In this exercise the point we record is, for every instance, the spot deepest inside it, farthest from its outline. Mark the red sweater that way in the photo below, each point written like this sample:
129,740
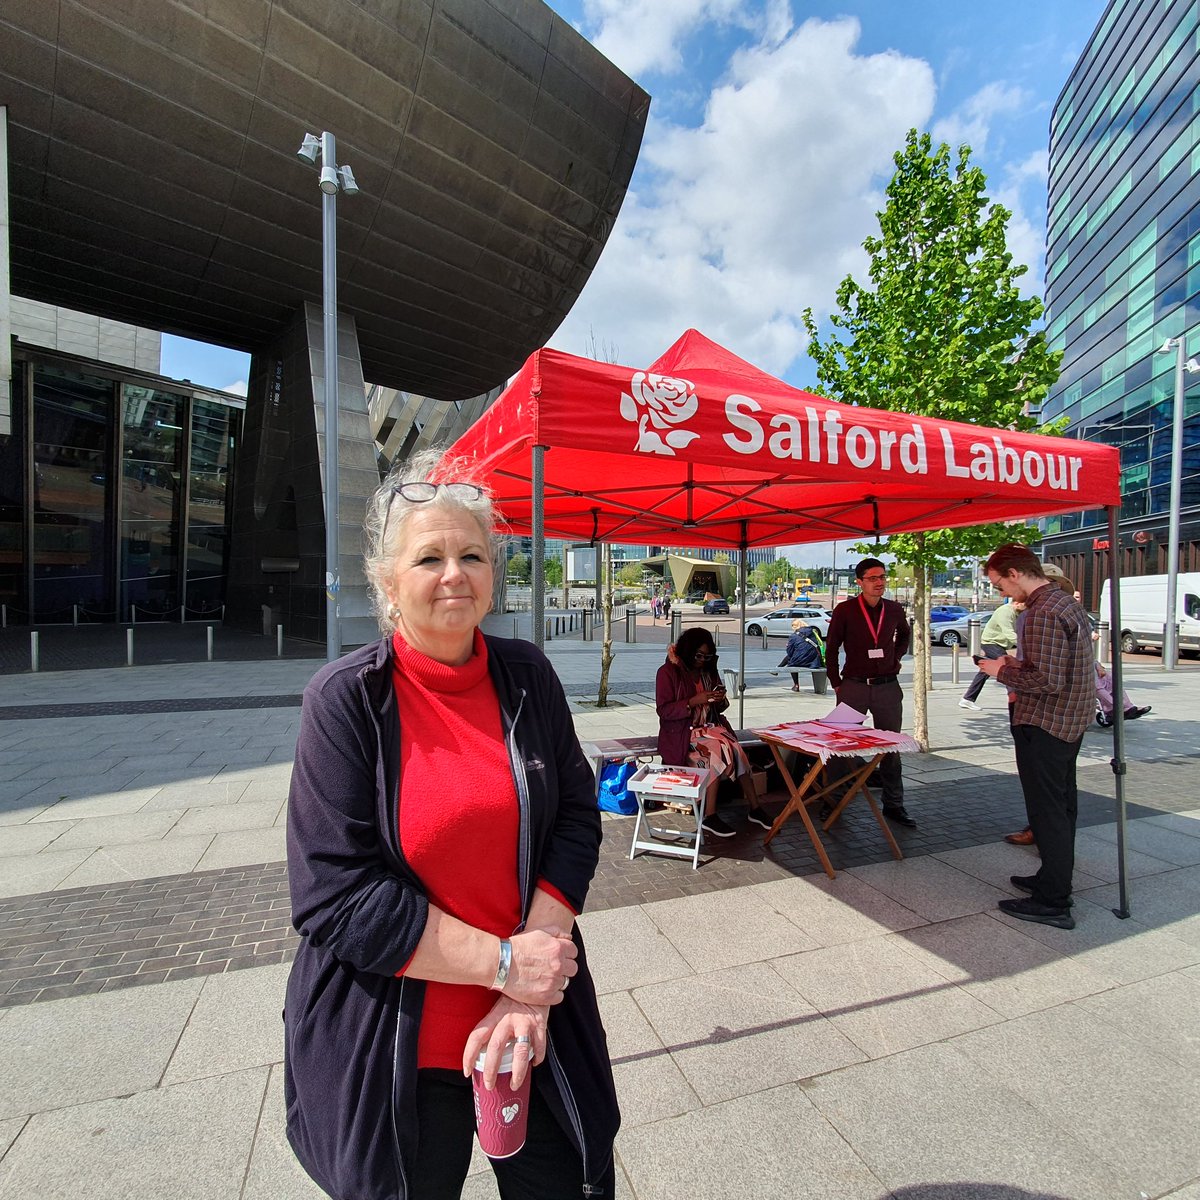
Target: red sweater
458,822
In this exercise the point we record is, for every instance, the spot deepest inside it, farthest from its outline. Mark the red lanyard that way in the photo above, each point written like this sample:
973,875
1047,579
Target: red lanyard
876,630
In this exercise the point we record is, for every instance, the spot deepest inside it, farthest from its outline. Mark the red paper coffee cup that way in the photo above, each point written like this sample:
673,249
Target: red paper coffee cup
501,1115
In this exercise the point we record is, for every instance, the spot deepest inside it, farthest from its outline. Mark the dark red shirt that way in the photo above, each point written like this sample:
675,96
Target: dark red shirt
851,633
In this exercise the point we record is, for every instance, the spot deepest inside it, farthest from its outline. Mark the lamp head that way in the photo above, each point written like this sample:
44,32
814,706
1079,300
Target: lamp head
1167,346
309,149
329,180
349,184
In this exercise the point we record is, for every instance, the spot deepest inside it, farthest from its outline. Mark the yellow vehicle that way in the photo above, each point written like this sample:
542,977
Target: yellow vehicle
803,586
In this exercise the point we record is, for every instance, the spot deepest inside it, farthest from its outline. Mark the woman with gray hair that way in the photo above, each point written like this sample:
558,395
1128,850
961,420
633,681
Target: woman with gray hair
442,834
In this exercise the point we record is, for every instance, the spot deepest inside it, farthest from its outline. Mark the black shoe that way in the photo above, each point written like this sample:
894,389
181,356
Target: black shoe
1028,909
1103,720
760,816
1132,714
1026,883
899,814
715,827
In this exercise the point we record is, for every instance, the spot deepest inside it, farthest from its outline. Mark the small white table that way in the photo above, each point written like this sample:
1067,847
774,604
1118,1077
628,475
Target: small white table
685,788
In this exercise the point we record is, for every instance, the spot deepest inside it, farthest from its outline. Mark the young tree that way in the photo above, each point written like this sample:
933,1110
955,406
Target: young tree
942,331
553,570
518,567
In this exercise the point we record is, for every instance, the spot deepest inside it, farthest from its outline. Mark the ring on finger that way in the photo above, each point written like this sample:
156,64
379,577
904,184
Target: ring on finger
522,1039
566,980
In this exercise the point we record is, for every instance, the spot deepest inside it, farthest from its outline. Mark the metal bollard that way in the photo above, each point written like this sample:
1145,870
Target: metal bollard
129,647
183,614
1102,643
210,643
278,641
35,657
954,663
514,629
975,626
3,616
74,614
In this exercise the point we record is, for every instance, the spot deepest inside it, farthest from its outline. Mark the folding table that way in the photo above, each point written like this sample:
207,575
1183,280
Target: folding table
682,787
822,742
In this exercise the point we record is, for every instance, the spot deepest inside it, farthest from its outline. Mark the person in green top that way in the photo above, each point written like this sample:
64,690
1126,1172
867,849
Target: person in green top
998,638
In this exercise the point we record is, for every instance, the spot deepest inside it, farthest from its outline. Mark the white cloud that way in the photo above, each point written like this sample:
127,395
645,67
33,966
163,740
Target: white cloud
642,36
237,388
973,121
734,226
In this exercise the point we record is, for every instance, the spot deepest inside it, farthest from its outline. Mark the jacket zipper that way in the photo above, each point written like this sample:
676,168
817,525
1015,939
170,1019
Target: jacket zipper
572,1109
395,1075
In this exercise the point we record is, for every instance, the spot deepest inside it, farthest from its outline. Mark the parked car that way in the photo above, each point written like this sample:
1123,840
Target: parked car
947,612
778,622
956,631
717,606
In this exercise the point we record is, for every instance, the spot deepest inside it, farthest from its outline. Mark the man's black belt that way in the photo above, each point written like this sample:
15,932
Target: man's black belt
872,679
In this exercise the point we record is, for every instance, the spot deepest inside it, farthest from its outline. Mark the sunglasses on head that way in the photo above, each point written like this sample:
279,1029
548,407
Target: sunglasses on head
421,492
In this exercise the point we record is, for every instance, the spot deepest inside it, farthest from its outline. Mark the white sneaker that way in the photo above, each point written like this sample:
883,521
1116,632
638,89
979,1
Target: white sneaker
965,703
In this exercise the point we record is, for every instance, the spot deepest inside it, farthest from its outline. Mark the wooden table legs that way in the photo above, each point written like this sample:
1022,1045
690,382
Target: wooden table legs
801,797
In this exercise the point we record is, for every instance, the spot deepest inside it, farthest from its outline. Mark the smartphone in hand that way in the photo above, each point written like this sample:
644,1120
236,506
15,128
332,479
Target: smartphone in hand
978,658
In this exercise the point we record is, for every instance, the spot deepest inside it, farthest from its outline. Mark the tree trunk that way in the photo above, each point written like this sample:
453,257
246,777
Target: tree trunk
922,656
606,654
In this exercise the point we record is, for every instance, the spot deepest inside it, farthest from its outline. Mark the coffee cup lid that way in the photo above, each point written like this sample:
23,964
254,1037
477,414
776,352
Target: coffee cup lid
506,1059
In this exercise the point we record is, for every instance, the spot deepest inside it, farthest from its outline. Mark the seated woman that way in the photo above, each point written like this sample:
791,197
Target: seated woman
803,650
692,730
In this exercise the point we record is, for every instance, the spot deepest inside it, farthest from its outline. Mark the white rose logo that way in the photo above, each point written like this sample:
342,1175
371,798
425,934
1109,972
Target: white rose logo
658,403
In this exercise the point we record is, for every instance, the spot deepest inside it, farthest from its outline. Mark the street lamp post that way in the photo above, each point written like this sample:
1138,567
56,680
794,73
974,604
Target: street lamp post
1171,628
332,180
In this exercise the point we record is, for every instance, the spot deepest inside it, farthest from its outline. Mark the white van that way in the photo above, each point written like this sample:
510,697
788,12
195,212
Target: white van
1144,610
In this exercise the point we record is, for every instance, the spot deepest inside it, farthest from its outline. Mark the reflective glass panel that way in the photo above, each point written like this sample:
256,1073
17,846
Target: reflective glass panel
214,438
72,494
151,500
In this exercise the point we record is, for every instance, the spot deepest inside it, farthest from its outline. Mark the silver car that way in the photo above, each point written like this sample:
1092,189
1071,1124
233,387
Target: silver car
958,631
778,622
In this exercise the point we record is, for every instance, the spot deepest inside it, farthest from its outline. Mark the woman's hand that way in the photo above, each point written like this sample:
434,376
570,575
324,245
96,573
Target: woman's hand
543,961
508,1020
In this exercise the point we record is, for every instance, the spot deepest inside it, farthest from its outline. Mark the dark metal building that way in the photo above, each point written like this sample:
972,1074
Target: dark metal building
1123,276
153,179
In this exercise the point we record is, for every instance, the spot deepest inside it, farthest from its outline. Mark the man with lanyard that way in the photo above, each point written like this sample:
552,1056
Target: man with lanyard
874,635
1054,686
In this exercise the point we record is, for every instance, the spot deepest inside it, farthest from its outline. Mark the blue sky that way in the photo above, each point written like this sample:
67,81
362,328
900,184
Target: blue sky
770,141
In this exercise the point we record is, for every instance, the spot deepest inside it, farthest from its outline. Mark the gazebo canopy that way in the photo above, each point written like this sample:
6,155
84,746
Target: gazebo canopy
705,449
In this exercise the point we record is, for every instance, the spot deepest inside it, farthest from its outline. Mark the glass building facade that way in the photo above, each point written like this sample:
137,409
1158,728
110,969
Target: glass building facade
1123,275
113,495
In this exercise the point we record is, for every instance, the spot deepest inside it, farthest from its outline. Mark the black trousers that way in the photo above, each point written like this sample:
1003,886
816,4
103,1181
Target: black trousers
990,650
1046,766
885,703
547,1167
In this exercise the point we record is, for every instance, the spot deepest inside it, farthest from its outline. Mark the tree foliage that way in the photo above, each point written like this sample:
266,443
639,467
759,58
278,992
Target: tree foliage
941,331
518,567
552,568
766,574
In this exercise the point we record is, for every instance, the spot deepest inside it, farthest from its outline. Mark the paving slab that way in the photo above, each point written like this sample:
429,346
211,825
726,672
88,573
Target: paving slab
722,929
932,889
227,818
85,1048
243,848
171,855
1170,844
929,1121
882,998
999,965
98,802
190,1142
1162,1013
31,838
41,872
8,1133
1078,1070
274,1173
832,911
1096,857
742,1029
119,830
1168,901
772,1145
196,795
626,949
994,862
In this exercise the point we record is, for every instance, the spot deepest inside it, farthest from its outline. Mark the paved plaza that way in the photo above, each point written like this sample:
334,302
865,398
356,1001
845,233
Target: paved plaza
775,1033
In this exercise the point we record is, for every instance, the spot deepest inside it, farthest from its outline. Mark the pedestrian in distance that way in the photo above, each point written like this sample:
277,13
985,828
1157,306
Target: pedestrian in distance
442,833
804,650
874,635
998,638
1054,698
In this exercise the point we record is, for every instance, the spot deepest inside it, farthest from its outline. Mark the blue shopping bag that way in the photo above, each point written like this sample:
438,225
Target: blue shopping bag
615,795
